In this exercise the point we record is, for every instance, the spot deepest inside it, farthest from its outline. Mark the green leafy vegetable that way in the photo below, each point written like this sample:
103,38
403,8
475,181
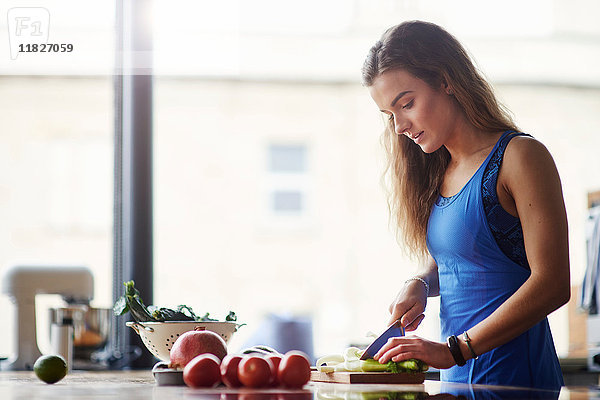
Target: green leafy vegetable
231,317
168,314
131,301
186,310
206,317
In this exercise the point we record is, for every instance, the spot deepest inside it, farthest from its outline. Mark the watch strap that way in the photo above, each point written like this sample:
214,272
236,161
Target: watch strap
454,347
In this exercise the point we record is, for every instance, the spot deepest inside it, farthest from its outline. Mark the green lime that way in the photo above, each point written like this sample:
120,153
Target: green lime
50,368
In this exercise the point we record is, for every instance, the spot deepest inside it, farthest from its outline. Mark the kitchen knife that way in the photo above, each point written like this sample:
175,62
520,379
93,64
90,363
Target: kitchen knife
395,330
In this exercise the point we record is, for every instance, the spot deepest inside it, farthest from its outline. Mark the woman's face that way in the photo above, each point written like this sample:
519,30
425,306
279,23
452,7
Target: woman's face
426,115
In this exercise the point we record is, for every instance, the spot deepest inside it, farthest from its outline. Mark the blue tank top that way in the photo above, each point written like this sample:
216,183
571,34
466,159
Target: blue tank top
505,227
475,278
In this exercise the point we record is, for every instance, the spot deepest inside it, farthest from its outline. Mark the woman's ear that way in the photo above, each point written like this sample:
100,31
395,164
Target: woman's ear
447,88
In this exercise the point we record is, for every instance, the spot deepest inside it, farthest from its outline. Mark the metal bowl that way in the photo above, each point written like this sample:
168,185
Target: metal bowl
158,337
91,328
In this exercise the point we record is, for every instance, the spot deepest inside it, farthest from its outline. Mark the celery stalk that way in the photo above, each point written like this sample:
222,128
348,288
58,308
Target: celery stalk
412,365
371,365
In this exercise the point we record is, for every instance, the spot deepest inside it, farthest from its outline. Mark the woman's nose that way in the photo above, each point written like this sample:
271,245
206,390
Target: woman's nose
400,126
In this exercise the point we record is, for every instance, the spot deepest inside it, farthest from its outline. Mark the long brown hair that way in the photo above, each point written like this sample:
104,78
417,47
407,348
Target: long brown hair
430,53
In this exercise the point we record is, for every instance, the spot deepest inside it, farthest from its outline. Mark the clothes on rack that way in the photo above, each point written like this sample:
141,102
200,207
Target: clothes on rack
589,299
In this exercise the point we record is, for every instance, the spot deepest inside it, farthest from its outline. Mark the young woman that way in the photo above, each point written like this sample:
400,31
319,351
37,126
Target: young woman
481,203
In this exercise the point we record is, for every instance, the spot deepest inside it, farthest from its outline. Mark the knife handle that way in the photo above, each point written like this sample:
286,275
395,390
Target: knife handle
398,324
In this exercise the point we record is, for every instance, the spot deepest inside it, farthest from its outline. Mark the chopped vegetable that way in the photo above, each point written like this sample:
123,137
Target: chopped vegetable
350,362
352,359
131,301
326,368
352,353
371,365
413,365
332,358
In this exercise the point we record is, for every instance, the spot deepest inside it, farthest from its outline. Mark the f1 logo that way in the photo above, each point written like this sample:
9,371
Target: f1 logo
27,25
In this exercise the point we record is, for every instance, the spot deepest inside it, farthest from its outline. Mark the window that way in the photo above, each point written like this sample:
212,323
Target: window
268,162
56,156
287,158
288,180
287,201
266,159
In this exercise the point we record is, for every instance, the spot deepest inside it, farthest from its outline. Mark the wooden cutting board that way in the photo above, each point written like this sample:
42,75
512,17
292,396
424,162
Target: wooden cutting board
367,377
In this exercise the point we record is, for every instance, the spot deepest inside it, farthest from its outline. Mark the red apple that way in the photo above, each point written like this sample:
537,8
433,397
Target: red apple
202,371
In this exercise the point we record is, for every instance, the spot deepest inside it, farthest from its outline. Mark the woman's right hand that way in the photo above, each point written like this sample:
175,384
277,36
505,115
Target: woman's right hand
409,305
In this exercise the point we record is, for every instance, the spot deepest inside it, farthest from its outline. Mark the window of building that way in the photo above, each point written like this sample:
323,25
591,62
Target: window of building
288,180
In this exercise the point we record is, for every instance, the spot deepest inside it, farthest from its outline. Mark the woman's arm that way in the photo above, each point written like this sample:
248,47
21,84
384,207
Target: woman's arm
529,177
410,302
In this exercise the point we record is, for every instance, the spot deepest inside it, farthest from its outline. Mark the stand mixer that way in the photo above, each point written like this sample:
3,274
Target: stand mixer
22,284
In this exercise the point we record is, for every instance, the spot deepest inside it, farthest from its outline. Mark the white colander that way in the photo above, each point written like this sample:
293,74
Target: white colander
158,337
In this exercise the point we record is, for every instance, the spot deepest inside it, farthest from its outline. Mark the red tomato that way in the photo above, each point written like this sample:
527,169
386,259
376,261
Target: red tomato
229,370
202,371
294,370
255,371
275,359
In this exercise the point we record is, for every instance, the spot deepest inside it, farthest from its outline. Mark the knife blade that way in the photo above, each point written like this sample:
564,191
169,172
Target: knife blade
396,329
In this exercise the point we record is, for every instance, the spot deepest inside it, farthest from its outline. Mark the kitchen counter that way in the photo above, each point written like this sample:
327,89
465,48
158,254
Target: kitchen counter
133,385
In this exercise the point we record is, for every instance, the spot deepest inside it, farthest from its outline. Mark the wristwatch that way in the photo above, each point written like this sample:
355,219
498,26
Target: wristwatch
454,347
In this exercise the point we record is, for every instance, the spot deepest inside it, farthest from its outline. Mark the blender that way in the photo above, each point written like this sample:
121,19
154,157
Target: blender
22,283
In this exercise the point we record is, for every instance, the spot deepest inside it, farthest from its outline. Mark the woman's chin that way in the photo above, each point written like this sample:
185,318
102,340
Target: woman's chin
428,149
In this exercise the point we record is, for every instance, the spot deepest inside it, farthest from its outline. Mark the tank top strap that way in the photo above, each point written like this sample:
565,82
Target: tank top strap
506,228
490,174
498,155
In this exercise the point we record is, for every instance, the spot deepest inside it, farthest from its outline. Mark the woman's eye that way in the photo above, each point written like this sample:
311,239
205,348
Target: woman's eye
409,104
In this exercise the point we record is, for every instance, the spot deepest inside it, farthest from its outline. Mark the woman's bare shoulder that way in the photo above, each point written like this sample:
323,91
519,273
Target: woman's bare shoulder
526,152
529,171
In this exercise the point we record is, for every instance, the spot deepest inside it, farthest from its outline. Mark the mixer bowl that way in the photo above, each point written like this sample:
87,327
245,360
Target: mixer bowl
91,328
158,337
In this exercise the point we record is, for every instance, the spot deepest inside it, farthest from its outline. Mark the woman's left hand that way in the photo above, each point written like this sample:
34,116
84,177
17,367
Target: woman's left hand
435,354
